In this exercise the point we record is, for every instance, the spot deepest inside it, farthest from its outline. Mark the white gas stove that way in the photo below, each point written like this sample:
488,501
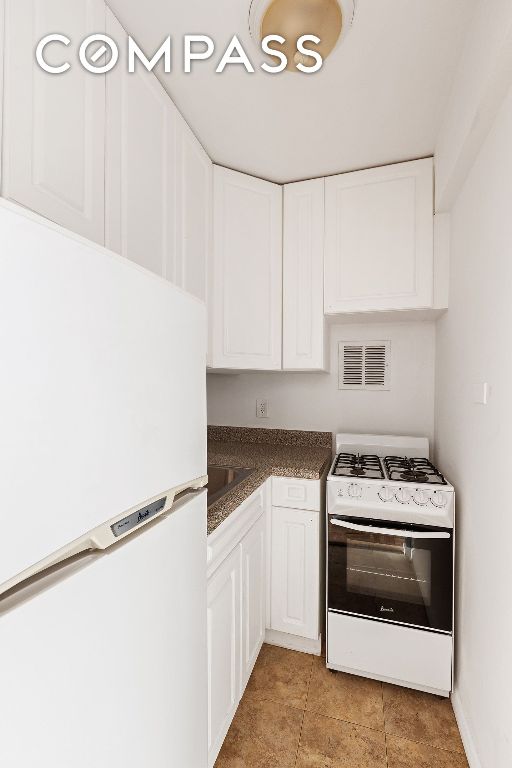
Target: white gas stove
389,478
390,556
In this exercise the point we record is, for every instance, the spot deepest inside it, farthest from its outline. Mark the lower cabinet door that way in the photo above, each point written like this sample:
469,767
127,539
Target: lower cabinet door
253,597
223,594
295,568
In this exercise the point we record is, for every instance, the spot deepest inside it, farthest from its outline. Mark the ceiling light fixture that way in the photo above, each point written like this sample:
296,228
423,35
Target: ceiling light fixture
328,20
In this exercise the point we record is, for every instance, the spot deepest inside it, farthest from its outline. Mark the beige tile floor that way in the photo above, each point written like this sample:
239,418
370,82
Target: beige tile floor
297,714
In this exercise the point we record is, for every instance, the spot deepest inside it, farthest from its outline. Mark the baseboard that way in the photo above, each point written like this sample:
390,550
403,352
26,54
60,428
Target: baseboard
467,739
293,642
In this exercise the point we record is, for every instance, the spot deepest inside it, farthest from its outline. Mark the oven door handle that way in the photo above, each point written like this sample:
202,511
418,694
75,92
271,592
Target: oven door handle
390,531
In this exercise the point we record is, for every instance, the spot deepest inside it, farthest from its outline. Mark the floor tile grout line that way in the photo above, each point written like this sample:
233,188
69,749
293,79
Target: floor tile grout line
309,684
344,720
304,713
384,724
259,697
300,737
425,744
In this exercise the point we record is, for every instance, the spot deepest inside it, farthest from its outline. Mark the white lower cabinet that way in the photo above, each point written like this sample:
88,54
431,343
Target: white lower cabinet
295,567
253,598
224,613
236,594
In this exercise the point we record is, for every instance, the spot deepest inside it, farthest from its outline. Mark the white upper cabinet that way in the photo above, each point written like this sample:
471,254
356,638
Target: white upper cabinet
303,268
194,175
141,165
246,299
379,239
54,125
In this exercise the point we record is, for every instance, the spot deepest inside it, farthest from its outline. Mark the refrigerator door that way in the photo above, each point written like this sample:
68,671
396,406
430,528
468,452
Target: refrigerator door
104,664
103,387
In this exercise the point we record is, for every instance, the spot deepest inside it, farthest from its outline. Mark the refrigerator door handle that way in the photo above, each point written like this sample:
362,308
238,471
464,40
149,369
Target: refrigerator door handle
105,535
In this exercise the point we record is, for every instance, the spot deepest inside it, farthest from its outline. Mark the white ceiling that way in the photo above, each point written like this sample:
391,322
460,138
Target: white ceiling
379,98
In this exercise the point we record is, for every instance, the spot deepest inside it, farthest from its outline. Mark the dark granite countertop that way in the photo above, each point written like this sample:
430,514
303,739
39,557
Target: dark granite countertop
287,453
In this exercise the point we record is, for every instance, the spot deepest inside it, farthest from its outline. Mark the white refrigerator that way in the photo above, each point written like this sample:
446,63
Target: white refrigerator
102,510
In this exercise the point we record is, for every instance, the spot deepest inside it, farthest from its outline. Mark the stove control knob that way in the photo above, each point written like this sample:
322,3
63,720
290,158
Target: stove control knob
355,491
385,494
403,495
421,498
438,499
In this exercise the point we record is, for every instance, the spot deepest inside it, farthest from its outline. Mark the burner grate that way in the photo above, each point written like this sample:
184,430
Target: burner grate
403,469
357,465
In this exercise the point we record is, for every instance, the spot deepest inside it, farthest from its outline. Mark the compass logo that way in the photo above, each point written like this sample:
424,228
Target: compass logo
99,54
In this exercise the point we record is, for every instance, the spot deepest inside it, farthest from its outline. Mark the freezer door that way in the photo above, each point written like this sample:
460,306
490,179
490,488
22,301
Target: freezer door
104,664
103,388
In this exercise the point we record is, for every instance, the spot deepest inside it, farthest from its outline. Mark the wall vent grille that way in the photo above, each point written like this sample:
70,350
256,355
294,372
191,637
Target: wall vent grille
364,365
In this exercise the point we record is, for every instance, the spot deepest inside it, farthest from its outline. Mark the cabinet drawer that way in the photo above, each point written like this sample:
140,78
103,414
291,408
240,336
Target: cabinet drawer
296,493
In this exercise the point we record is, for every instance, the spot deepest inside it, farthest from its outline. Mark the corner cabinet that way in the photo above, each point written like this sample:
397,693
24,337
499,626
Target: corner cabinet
193,224
379,239
246,281
54,125
304,337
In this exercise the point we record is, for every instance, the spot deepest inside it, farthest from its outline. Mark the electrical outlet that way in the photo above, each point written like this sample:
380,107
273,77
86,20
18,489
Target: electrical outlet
262,409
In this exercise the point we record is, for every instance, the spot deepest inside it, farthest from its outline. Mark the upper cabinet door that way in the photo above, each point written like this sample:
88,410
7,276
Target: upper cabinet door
245,304
303,276
379,239
54,125
193,213
141,164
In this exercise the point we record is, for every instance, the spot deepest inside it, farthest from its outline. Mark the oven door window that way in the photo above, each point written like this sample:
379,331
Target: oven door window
396,578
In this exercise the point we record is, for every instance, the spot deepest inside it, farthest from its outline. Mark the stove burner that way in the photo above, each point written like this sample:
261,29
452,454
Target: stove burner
356,465
411,476
401,468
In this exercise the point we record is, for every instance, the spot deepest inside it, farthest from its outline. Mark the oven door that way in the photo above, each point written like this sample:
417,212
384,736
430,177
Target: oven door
391,572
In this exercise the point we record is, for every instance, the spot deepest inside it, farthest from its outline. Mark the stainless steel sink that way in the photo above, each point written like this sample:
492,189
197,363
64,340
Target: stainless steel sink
221,480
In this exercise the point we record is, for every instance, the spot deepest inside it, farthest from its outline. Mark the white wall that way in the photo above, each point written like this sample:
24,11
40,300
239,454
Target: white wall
474,345
480,85
313,400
